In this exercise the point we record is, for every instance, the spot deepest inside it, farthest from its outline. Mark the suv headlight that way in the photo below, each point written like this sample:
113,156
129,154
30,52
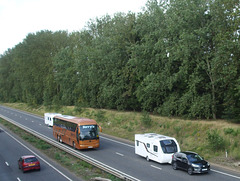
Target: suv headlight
194,165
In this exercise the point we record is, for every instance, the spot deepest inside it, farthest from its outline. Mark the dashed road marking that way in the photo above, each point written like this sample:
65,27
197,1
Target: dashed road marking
119,154
156,167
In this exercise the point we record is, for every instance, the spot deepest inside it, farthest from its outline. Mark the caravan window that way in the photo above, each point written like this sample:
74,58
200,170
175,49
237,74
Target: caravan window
155,148
168,146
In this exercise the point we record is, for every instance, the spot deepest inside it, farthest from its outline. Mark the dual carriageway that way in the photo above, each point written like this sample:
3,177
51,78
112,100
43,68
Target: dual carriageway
114,156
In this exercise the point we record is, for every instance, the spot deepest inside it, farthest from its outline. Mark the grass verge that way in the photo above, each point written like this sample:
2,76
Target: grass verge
210,138
77,166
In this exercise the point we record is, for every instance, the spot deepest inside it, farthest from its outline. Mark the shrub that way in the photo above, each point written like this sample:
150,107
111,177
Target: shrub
146,120
57,156
228,131
216,142
78,108
231,131
235,153
177,130
100,116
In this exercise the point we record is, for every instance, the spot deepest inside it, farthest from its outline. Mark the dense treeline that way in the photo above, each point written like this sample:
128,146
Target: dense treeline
180,58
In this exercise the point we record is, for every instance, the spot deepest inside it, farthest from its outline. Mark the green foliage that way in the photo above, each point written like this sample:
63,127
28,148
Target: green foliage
177,130
177,58
231,131
57,156
56,104
146,119
78,108
100,116
216,142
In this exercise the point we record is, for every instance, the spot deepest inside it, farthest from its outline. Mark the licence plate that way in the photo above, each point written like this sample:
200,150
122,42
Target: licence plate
204,169
31,164
90,147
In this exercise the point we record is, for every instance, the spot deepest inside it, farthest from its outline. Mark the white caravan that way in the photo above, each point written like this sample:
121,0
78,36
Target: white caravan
48,118
156,147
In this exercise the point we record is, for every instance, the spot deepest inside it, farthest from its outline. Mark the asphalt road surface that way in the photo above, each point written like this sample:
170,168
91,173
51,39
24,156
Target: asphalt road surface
12,147
120,155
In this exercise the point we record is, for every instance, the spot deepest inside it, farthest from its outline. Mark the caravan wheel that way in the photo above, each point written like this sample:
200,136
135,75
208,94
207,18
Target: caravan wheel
147,159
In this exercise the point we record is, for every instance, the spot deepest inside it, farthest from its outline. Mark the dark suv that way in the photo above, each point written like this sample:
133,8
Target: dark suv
190,161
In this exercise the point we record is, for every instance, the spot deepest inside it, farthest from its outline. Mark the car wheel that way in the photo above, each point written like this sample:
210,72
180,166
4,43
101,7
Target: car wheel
174,166
190,170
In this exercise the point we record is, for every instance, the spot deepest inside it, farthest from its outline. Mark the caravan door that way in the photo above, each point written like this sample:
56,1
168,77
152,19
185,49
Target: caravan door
154,152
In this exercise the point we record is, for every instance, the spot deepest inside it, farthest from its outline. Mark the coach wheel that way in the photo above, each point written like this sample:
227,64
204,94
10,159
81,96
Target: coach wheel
60,139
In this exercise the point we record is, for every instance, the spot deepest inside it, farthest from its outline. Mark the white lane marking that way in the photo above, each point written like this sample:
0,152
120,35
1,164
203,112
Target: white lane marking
40,124
225,174
7,164
78,153
18,179
156,167
119,154
117,142
22,112
39,157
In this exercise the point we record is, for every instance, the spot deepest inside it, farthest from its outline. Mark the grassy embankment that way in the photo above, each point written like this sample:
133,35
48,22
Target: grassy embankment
209,138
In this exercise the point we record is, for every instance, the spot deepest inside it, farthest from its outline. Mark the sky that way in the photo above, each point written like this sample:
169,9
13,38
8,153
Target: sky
18,18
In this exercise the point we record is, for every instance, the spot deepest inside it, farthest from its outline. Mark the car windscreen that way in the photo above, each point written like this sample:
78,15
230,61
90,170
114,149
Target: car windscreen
194,157
88,132
168,146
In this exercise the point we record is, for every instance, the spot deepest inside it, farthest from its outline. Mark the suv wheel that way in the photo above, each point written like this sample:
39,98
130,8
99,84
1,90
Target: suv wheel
190,170
174,166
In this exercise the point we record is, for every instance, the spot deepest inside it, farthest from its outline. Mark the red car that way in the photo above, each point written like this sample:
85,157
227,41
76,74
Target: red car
28,162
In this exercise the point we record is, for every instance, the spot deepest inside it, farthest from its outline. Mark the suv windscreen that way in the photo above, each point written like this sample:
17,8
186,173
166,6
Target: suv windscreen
168,146
194,157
